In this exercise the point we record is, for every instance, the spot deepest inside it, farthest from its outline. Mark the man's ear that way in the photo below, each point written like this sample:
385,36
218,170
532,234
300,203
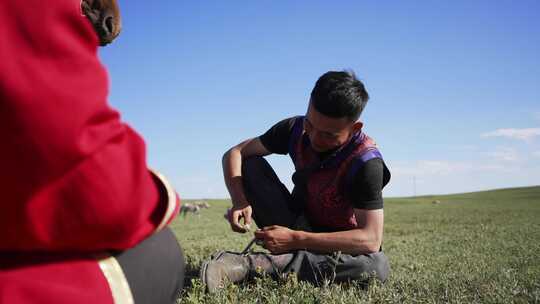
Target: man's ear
357,127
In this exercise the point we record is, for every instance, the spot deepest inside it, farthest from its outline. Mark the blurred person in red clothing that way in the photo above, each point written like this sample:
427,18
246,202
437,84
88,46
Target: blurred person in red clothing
83,219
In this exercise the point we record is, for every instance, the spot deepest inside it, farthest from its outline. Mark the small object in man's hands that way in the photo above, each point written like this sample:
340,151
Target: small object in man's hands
254,240
227,215
259,242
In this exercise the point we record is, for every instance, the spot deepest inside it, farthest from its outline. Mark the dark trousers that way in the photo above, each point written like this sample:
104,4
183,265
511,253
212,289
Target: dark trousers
273,205
154,269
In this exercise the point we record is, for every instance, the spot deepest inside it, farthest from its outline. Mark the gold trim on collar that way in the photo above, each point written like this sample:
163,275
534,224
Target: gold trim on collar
171,199
118,284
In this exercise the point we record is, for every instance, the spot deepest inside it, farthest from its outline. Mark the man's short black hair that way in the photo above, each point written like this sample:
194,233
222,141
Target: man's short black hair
339,94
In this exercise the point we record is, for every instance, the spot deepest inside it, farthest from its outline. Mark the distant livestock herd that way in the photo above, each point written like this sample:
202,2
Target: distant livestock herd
194,207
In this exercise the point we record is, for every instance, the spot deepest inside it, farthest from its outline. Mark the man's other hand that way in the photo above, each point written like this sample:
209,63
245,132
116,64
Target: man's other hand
277,239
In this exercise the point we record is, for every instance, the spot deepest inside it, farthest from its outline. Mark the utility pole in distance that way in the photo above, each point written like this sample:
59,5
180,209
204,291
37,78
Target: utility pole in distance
414,185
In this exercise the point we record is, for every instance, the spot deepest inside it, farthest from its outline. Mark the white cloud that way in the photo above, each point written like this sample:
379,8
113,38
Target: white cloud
490,167
483,169
505,154
521,134
437,167
430,168
465,148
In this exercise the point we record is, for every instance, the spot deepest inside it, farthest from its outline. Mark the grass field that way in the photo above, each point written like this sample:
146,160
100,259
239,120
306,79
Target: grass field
481,247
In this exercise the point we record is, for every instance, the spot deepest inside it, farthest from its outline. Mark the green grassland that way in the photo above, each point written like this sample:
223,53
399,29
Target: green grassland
481,247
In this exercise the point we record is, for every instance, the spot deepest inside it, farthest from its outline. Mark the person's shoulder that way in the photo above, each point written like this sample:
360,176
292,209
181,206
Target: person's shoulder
374,164
286,125
373,169
276,139
367,184
290,121
365,169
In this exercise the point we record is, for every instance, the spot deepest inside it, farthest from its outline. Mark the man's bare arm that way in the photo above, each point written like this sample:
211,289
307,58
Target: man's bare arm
367,238
232,173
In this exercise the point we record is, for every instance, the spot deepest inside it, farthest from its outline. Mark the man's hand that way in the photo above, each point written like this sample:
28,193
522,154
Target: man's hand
232,172
238,212
277,239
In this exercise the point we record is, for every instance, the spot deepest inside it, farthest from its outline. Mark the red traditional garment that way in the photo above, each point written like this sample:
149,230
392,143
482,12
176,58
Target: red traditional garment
73,177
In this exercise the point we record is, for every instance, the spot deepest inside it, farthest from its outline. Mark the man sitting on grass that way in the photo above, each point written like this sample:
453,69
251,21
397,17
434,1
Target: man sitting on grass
331,227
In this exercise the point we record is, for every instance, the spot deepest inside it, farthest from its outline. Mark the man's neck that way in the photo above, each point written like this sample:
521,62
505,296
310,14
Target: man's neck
324,155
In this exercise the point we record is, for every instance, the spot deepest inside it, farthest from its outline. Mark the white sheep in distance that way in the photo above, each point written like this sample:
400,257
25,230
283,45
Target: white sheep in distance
202,204
194,208
189,208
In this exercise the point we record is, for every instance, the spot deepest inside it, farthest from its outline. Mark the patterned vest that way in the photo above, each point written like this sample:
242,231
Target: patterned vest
323,186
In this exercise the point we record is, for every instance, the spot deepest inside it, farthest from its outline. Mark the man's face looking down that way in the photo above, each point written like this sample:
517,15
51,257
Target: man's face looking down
328,133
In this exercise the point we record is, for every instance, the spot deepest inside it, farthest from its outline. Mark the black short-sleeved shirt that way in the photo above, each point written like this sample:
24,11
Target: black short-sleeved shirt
366,192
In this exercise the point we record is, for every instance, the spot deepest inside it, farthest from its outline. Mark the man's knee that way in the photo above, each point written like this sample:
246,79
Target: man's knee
254,166
363,267
257,171
381,265
269,198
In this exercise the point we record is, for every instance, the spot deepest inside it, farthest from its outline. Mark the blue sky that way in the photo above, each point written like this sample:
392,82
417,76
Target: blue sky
455,86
